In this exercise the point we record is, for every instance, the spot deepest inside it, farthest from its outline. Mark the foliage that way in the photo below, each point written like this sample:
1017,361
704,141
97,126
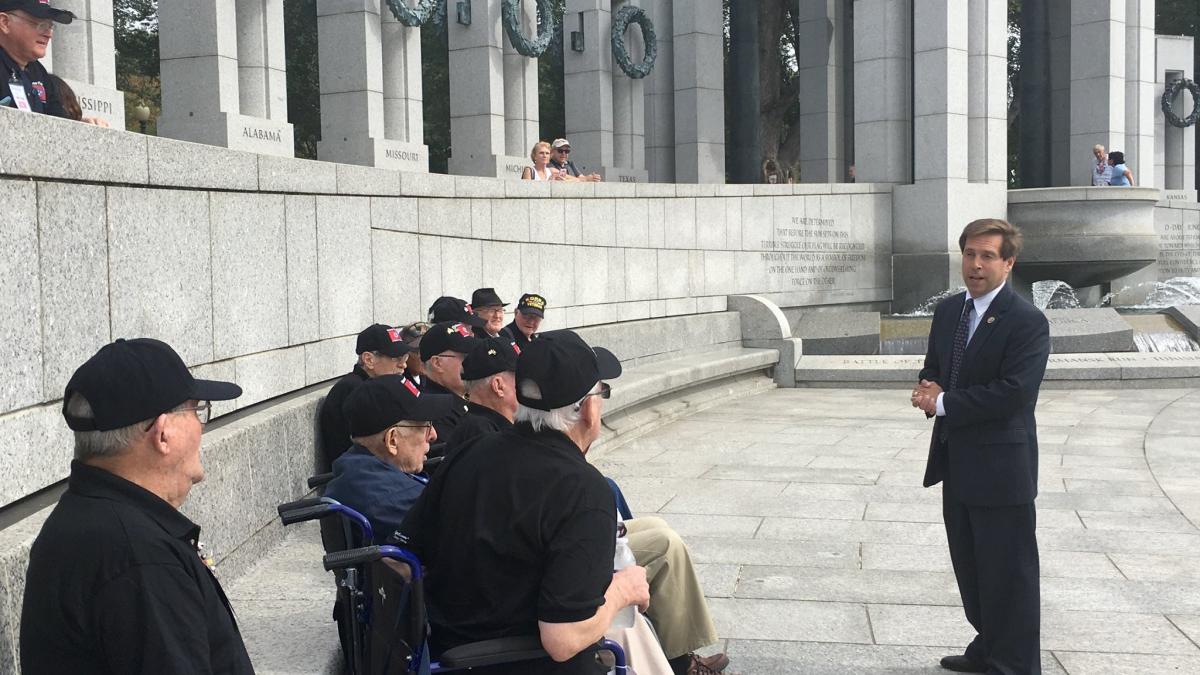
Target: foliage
135,35
303,75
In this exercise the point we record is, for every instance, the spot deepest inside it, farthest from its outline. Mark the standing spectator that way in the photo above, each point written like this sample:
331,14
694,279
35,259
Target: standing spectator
770,172
1101,170
561,160
1121,175
116,580
541,169
26,27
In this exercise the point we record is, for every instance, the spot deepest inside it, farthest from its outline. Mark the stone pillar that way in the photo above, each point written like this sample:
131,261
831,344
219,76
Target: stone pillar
660,97
1175,172
1035,94
477,132
883,90
1059,19
521,90
629,114
403,95
201,99
699,91
822,98
987,110
930,213
1097,83
350,50
1141,107
745,93
262,66
83,56
588,86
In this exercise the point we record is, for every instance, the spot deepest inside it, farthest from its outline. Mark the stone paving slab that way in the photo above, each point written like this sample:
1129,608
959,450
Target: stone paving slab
821,552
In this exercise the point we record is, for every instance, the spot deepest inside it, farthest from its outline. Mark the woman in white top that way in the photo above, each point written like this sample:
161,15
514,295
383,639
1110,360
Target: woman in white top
541,169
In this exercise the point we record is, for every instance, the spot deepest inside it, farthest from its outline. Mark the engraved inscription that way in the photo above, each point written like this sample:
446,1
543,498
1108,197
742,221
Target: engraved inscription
813,253
258,134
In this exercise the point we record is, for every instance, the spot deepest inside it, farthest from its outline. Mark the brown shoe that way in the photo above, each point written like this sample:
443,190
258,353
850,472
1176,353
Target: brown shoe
707,665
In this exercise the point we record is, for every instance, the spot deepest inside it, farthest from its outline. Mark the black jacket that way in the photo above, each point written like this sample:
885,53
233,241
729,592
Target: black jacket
40,91
334,429
990,457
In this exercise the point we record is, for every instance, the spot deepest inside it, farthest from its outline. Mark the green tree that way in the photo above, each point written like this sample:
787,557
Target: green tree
303,74
135,37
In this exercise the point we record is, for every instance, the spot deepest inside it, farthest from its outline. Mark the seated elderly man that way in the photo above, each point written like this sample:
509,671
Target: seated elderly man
518,531
115,582
442,351
391,423
487,305
381,350
678,609
531,309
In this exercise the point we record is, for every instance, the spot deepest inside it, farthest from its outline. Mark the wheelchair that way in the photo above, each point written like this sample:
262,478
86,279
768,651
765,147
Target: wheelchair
380,602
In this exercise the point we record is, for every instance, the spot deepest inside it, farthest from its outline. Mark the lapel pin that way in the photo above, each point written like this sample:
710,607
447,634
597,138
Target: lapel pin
991,319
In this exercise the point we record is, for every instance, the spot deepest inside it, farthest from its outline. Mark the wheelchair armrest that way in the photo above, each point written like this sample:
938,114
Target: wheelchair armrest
319,480
299,504
499,650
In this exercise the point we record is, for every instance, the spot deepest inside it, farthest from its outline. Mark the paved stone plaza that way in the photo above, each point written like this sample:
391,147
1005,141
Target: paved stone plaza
821,552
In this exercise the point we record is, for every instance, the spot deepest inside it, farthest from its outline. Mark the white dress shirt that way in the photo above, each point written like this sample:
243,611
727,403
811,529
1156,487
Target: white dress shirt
977,311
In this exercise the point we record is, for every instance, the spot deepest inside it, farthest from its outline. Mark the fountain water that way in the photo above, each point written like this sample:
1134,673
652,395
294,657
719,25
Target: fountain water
1054,294
1165,342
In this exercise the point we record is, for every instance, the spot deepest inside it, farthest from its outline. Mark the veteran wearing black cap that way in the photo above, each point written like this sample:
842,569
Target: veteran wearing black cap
531,309
380,476
488,306
443,349
382,350
115,582
454,310
518,530
489,374
26,27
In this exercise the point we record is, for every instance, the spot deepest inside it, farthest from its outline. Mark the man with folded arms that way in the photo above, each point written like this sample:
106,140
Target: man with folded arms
116,583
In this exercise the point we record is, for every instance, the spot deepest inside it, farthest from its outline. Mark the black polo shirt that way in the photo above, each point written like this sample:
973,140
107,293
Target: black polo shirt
515,333
334,429
444,426
40,91
478,421
115,585
517,528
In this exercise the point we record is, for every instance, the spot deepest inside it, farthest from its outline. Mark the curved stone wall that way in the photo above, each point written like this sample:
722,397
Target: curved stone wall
262,269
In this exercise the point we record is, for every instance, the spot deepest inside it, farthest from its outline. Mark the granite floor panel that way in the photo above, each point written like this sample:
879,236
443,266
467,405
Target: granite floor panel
821,552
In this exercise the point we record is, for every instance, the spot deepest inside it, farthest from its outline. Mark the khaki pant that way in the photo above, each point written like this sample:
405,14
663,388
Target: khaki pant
677,606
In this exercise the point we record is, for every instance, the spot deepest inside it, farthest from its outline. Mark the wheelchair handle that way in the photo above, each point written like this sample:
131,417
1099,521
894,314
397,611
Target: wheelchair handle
305,513
319,480
367,554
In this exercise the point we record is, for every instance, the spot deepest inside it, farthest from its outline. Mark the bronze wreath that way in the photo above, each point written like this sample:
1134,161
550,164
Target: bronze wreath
625,16
1169,96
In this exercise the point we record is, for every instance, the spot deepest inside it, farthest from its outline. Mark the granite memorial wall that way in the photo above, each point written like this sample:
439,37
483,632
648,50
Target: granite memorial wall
261,269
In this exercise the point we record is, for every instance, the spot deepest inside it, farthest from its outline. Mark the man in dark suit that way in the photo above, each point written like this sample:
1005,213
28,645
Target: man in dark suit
987,354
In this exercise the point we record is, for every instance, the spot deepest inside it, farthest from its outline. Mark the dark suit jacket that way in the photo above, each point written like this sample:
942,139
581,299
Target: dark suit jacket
990,457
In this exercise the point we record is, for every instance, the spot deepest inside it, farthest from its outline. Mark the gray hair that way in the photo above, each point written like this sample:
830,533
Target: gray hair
559,419
98,444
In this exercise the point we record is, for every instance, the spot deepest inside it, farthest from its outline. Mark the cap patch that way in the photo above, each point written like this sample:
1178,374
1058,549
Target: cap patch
396,334
535,302
461,329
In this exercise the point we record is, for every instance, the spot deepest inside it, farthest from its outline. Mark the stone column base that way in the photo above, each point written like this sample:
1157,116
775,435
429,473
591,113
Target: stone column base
617,174
236,132
489,166
96,101
382,153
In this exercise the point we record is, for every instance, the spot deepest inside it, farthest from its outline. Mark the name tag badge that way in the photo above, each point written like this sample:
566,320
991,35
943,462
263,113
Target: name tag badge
18,95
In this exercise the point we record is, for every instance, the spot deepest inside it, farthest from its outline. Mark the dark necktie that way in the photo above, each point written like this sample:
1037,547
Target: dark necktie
960,343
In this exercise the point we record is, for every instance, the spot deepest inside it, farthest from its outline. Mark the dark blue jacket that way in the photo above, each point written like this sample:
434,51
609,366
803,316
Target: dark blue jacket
374,488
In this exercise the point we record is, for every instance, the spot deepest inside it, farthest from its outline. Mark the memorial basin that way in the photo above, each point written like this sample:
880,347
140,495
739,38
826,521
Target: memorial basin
1084,236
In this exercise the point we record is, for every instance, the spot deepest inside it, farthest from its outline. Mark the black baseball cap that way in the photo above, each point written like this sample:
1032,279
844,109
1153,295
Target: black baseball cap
486,297
384,339
532,303
490,356
452,336
383,401
42,10
564,367
130,381
450,308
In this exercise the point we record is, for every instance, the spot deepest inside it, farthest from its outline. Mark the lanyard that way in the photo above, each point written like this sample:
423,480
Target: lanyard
20,99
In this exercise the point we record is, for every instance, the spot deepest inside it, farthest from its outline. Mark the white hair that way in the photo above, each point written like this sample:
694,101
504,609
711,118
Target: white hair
560,419
97,444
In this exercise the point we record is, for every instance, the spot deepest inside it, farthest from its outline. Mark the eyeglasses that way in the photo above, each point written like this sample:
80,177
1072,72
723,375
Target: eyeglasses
565,151
203,411
41,26
427,426
489,311
604,393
